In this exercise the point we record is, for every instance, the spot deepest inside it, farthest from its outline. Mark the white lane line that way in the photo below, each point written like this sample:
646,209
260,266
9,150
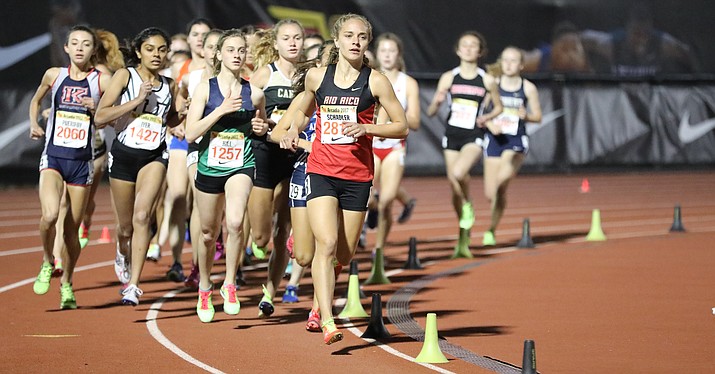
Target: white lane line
153,328
22,251
349,325
150,317
153,311
77,269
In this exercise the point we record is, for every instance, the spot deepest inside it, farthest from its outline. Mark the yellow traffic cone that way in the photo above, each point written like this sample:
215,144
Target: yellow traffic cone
462,248
431,353
353,308
596,233
377,275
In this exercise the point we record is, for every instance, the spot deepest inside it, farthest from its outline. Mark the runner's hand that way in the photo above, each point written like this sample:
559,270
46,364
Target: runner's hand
354,129
260,127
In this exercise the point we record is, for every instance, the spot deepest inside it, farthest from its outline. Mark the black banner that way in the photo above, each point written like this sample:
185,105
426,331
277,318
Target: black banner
597,125
650,121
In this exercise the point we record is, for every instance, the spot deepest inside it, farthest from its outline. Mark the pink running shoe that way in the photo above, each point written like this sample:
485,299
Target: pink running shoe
192,281
289,246
313,324
220,250
58,270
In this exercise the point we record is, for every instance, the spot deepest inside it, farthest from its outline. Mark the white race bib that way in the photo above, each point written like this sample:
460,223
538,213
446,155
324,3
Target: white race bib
464,113
295,192
71,129
332,122
508,121
144,132
226,149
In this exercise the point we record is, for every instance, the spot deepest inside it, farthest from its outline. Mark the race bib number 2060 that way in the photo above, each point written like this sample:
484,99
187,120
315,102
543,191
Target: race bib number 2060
71,129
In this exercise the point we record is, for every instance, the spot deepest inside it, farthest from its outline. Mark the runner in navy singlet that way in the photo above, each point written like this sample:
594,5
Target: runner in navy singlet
67,158
506,142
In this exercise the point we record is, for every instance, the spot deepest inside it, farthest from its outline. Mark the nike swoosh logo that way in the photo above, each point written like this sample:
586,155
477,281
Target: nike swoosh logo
15,53
689,133
532,128
354,89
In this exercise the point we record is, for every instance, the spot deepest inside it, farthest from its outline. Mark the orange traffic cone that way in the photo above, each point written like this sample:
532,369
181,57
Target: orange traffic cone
585,188
105,238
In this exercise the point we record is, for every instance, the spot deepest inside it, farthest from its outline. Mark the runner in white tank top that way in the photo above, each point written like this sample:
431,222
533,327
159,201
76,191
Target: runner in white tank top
389,154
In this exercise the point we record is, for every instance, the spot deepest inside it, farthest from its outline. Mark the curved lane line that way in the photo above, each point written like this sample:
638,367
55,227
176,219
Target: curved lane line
150,317
153,328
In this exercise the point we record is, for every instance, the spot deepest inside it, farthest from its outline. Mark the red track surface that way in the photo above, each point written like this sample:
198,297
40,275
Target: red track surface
639,302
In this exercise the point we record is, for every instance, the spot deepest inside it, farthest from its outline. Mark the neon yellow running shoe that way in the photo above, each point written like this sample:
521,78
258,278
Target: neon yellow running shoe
42,283
466,219
461,250
489,239
205,308
83,236
265,307
67,300
259,252
231,305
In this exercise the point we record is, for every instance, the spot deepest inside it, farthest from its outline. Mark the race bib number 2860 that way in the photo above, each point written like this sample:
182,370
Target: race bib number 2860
332,122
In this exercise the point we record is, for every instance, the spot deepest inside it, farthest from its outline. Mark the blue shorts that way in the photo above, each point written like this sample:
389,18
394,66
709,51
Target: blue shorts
297,191
178,144
73,172
495,145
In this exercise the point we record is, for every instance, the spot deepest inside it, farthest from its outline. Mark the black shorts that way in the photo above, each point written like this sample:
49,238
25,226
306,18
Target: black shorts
125,164
455,143
273,164
216,185
351,195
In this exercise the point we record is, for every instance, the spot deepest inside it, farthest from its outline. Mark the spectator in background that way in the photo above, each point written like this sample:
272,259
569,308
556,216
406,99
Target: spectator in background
639,50
564,54
252,37
178,53
65,14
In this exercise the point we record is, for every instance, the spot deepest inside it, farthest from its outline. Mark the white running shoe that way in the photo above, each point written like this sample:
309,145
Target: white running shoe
121,268
153,253
130,296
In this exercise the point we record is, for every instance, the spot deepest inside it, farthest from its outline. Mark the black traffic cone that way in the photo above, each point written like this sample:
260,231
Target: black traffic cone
525,241
413,262
354,271
677,221
376,328
528,363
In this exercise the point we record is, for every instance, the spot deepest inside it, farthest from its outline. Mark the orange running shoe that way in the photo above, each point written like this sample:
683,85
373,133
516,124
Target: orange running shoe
331,334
